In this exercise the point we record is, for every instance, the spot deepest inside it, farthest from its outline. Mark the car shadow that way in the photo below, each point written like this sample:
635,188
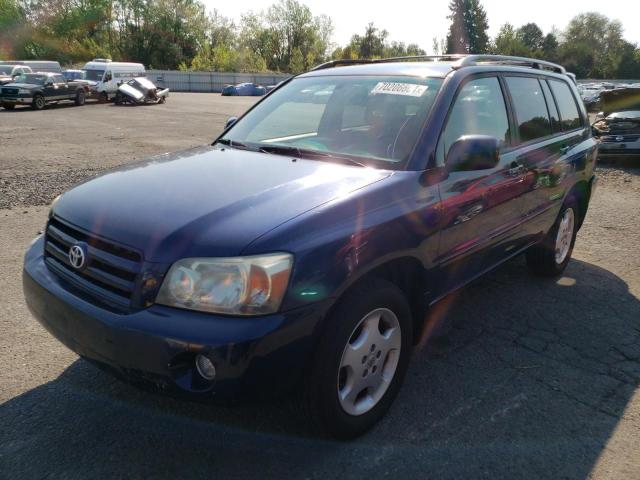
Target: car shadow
50,106
530,381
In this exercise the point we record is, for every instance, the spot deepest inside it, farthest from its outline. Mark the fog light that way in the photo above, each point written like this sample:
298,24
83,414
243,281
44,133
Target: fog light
205,367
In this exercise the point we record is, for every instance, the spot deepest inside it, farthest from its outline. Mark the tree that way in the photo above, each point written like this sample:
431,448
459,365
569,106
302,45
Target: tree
593,44
550,47
469,26
531,37
509,42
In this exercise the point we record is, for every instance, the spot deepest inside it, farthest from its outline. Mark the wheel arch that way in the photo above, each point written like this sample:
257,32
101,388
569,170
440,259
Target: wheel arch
581,191
408,274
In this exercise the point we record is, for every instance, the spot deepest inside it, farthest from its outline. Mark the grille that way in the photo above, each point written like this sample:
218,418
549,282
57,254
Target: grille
625,138
10,91
110,272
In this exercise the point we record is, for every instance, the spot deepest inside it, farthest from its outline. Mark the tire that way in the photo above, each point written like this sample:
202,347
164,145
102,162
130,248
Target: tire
118,99
38,102
336,397
80,98
163,100
8,106
103,97
551,256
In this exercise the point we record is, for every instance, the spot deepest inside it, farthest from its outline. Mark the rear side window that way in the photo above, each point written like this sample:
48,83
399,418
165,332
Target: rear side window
551,105
530,108
569,115
479,109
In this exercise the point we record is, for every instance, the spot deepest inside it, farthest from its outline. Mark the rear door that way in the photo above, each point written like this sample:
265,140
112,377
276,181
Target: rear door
481,211
548,135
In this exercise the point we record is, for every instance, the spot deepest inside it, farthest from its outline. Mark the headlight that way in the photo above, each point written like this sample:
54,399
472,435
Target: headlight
24,91
238,286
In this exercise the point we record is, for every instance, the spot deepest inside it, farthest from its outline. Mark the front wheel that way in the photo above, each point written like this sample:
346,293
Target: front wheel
552,255
361,360
38,102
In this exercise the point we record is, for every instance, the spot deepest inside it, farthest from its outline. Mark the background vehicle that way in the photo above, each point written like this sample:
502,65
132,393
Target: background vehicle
108,75
39,89
618,125
80,76
273,261
244,89
37,65
140,91
9,72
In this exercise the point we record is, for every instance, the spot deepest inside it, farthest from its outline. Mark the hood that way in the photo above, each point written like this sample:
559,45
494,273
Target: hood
620,100
5,79
205,201
29,86
625,115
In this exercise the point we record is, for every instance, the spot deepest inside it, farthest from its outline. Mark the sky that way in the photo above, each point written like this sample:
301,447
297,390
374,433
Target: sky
418,22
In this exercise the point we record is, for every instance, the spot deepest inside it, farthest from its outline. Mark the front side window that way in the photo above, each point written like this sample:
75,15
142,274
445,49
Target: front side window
59,79
374,119
94,75
566,104
530,108
479,109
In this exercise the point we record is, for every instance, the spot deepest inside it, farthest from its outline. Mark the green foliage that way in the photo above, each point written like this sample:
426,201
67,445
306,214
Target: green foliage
285,37
469,27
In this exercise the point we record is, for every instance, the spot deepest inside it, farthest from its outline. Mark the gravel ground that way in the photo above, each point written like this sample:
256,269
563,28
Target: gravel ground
536,379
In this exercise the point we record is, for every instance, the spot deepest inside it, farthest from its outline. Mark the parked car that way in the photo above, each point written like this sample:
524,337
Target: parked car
80,76
298,253
108,75
9,72
244,89
37,65
618,125
140,91
39,89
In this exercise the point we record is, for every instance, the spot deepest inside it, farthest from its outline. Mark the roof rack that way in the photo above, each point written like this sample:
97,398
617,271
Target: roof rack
471,60
460,60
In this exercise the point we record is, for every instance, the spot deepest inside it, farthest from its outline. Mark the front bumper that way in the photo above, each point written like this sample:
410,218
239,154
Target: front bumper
619,145
16,100
157,346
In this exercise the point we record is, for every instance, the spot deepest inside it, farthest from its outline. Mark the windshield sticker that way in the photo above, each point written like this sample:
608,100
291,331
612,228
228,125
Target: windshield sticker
397,88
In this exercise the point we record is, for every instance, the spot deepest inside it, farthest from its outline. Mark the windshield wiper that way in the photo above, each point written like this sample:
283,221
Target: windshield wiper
304,153
235,144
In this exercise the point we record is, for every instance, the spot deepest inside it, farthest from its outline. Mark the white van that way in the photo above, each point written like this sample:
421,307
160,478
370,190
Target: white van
108,75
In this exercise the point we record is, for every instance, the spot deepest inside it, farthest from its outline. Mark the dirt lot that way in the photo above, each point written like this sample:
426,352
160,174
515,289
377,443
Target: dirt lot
536,379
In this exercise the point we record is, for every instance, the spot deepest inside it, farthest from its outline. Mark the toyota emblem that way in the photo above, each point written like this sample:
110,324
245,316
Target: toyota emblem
77,256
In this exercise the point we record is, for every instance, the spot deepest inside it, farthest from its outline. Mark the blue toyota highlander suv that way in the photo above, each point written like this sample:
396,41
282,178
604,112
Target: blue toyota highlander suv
300,251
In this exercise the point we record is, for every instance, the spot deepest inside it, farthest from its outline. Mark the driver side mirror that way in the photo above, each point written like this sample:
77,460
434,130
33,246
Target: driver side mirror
230,122
473,152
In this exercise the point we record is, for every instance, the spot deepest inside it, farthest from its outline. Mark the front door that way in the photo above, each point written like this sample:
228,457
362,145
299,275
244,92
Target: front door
481,212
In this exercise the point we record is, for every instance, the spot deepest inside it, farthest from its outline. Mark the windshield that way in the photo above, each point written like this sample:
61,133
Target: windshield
75,75
95,75
31,78
6,69
375,120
